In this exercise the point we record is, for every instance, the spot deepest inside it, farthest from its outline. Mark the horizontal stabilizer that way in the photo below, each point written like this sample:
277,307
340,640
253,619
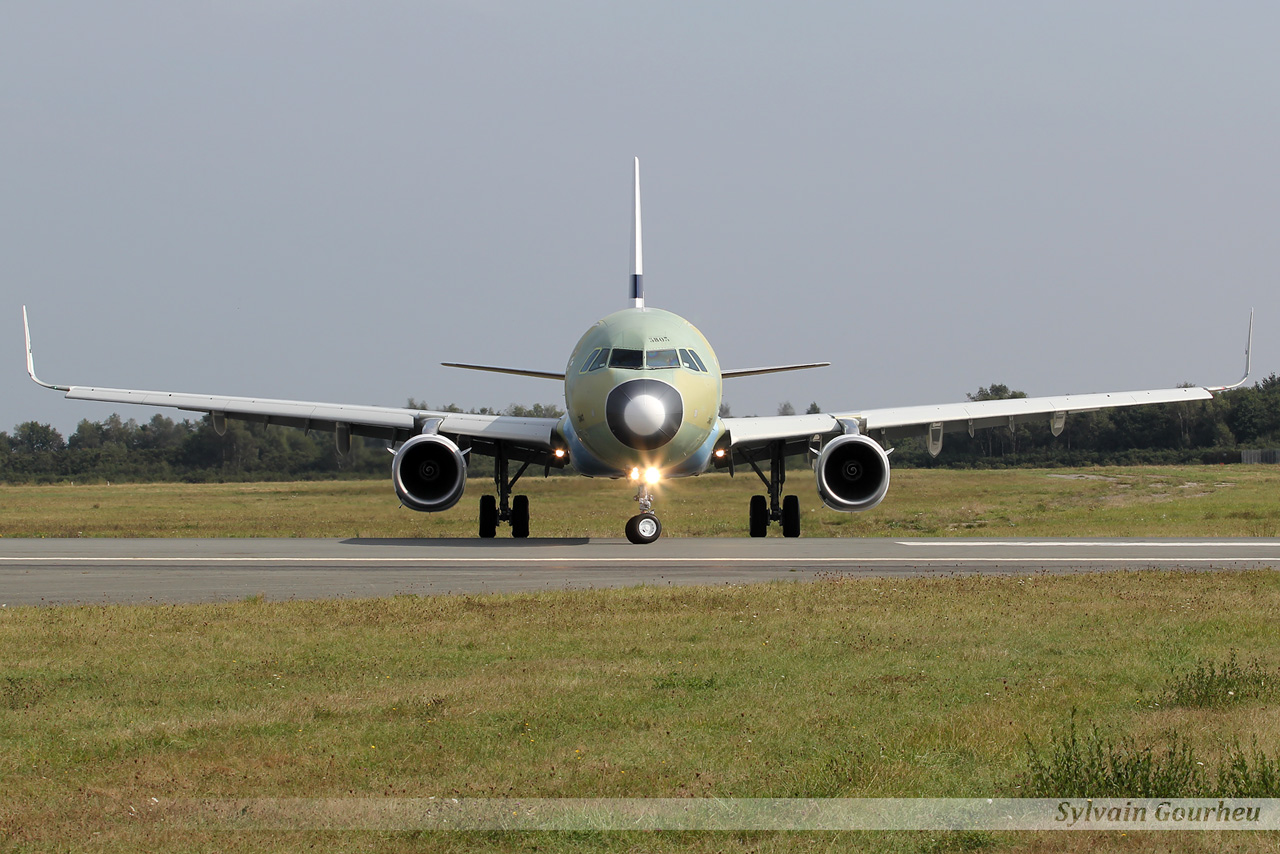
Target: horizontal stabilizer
777,369
520,372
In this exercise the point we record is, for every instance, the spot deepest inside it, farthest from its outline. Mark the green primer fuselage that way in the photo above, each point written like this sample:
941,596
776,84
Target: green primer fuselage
595,448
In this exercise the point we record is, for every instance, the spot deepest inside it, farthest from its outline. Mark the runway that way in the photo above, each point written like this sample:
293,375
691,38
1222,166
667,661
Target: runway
93,571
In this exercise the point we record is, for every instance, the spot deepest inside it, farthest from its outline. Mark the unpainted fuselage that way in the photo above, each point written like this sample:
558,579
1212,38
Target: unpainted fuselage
642,391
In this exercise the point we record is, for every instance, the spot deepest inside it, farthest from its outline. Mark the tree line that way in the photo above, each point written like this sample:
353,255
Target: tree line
119,450
1209,431
1202,431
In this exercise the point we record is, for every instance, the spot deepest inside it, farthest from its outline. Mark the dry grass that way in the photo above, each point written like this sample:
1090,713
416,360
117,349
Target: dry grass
1227,501
847,687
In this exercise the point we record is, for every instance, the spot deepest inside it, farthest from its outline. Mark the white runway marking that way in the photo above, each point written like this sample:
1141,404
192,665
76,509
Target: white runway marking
636,560
1110,544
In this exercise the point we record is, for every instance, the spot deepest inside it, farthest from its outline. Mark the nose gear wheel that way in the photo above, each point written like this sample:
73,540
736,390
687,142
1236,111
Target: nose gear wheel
643,529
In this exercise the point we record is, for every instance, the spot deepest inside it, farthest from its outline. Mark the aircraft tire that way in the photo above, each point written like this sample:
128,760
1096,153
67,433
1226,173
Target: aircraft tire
790,516
643,529
488,517
759,516
520,516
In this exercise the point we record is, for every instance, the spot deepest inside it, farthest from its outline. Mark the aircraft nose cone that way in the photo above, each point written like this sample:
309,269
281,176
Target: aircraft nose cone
644,414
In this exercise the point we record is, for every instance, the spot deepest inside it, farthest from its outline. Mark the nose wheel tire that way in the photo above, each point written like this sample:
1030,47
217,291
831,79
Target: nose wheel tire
643,529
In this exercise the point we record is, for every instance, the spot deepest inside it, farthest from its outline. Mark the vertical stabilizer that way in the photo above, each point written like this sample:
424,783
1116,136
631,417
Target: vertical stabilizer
637,259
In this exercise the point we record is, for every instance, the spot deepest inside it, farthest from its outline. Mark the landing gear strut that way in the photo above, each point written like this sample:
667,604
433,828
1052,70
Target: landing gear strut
774,508
503,508
644,528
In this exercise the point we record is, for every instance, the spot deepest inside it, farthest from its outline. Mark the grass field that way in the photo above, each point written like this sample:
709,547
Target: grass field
1223,501
842,687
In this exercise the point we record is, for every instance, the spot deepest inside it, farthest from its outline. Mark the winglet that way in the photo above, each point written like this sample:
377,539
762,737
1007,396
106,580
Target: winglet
1248,348
637,261
31,366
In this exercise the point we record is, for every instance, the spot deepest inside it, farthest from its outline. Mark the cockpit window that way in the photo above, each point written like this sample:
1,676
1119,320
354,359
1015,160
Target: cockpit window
698,359
598,360
662,359
686,359
621,358
586,363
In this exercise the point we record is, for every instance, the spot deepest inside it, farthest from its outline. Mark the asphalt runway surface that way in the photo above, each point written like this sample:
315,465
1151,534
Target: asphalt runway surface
92,571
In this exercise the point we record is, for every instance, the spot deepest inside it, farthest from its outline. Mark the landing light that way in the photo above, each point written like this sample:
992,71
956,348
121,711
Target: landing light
559,453
635,474
652,475
719,453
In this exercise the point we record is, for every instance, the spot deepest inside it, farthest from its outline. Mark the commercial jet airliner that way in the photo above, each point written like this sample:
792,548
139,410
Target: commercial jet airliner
642,393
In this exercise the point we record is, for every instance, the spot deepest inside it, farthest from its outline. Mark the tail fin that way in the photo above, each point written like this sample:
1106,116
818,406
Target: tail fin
637,261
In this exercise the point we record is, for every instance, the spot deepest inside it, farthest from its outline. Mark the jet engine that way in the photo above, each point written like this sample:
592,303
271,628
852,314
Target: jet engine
429,473
853,473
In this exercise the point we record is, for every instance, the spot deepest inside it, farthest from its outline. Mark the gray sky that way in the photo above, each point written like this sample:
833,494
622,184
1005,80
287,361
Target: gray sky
324,200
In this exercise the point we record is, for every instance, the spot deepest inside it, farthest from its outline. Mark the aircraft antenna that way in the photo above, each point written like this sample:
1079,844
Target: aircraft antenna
637,260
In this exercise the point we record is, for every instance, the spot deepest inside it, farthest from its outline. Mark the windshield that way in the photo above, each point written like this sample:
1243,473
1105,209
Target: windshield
662,359
621,358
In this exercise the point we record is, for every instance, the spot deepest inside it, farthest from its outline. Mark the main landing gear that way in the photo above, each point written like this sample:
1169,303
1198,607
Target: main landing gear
504,508
644,528
774,508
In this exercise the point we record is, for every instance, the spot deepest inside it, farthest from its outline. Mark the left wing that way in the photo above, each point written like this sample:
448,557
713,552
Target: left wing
932,422
531,438
747,436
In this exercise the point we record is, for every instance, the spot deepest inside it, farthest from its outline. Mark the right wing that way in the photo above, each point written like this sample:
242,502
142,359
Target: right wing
532,436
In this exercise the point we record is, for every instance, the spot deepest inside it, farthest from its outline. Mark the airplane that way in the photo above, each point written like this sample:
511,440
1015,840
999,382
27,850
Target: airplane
642,392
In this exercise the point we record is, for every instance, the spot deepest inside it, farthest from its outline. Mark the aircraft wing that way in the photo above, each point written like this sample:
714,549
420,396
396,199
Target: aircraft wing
379,422
748,436
931,422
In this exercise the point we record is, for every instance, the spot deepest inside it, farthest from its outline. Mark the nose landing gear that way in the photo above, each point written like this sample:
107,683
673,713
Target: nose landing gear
645,527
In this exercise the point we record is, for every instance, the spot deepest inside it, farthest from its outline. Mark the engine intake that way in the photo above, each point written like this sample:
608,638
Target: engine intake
852,473
429,473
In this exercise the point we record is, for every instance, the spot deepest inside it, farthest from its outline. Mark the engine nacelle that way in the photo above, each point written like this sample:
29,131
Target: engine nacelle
853,473
429,473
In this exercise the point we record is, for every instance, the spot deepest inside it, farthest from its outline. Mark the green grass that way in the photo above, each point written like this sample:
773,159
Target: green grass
1209,684
844,687
1224,501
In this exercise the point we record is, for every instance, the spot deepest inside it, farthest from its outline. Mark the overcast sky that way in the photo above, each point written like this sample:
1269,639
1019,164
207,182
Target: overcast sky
324,200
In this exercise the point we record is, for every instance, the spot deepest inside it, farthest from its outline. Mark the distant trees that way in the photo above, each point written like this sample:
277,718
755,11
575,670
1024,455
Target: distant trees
162,449
1195,431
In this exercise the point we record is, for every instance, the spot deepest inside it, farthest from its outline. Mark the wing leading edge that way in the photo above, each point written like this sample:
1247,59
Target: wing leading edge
379,422
932,422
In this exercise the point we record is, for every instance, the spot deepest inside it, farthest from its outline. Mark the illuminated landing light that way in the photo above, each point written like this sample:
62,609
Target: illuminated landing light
719,453
635,474
652,476
559,453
